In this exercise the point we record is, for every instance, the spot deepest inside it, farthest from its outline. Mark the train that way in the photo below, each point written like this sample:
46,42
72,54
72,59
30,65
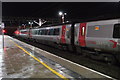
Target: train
101,39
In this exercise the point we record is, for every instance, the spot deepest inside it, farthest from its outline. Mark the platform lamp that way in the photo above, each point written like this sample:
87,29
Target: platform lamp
24,26
63,16
2,26
30,24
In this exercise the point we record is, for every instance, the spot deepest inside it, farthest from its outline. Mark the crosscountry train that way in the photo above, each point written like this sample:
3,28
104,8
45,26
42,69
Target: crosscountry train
100,38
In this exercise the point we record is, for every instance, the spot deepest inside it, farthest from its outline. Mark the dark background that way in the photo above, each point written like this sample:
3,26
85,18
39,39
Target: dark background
80,11
51,9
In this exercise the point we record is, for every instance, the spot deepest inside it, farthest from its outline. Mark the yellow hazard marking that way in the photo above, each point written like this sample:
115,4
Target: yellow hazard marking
55,72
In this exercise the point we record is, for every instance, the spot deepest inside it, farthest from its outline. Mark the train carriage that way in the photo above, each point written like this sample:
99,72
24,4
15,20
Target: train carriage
96,36
59,35
99,35
24,33
100,38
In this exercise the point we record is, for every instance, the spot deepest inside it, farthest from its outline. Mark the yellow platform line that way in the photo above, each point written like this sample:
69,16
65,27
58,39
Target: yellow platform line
52,70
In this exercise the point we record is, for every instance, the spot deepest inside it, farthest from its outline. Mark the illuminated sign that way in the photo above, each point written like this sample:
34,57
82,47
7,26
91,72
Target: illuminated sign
97,27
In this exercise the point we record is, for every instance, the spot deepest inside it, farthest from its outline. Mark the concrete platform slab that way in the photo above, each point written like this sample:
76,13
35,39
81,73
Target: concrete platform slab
15,63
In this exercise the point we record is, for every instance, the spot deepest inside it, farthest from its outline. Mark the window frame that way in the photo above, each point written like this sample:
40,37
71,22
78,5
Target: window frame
116,28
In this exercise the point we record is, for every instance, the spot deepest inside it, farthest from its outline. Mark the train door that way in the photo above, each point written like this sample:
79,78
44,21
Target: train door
63,34
82,34
30,33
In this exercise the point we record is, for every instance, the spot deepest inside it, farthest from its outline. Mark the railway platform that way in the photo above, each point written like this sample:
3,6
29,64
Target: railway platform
21,60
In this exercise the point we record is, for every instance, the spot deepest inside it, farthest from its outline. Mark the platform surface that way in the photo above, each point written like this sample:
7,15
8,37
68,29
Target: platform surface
20,60
17,64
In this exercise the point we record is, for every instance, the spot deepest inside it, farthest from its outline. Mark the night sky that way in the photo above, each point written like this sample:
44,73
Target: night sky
74,10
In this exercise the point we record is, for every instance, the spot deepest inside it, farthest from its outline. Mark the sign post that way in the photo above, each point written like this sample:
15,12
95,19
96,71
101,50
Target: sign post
2,26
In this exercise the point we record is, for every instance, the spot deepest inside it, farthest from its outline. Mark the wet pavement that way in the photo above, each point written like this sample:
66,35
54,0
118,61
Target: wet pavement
15,63
1,53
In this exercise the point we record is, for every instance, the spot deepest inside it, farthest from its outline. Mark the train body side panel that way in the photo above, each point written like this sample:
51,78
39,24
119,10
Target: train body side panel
46,39
63,33
34,34
100,36
24,33
76,35
80,34
68,34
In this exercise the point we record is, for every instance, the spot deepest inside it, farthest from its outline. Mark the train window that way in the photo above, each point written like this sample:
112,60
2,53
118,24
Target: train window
68,33
56,31
45,32
42,32
116,33
48,32
36,32
33,32
75,32
51,31
39,32
83,31
24,32
21,32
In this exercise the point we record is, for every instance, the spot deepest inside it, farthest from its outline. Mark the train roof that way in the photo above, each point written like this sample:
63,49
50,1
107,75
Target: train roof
51,25
58,24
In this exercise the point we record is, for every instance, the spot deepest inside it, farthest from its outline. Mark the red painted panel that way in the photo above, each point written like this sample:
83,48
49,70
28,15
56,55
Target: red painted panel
115,43
4,31
17,32
82,35
63,34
